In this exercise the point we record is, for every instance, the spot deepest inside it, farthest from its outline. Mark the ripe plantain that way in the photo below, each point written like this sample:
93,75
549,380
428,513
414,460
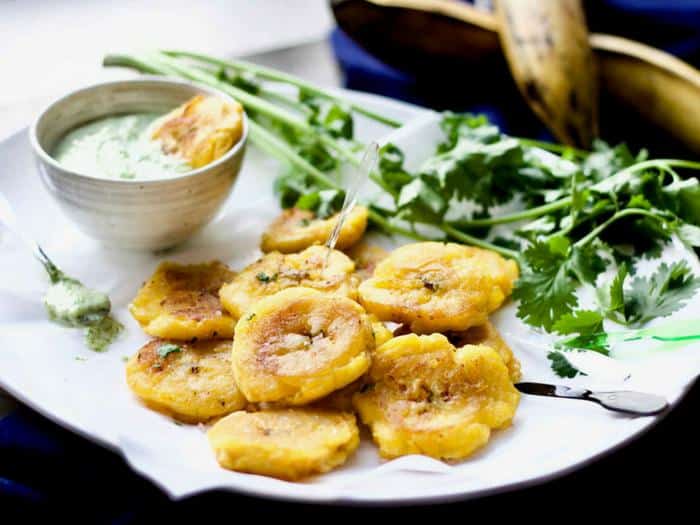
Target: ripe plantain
423,396
182,302
201,130
546,45
639,78
299,345
192,382
288,444
435,287
295,230
487,335
314,268
659,86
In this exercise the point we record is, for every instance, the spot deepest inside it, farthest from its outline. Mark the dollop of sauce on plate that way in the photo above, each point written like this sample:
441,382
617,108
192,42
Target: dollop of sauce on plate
118,147
71,303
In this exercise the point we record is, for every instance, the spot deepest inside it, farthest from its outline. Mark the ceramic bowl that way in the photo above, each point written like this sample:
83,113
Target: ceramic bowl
133,214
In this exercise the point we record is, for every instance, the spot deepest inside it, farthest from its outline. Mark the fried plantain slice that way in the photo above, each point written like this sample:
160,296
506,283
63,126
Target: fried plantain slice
366,257
487,335
182,302
314,268
381,332
437,287
295,230
285,443
423,396
299,345
190,382
201,130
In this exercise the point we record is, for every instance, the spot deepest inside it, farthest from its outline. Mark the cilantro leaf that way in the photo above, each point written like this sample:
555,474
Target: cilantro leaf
331,115
323,203
265,278
616,302
545,289
561,366
167,349
580,322
586,263
659,295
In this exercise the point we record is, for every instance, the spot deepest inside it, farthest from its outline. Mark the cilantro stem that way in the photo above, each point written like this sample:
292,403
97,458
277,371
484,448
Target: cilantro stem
278,148
662,164
466,238
530,213
551,146
544,209
595,232
385,225
274,96
278,76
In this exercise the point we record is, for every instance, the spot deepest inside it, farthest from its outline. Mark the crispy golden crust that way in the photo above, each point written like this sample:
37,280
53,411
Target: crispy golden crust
201,130
182,302
487,335
275,271
436,287
299,345
295,230
288,444
426,397
193,384
366,257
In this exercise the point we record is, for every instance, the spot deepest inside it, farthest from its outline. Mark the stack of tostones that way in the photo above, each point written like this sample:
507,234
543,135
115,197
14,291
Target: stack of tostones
283,355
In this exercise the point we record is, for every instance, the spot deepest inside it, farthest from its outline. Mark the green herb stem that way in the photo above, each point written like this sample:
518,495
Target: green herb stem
551,146
594,233
278,76
279,149
379,220
531,213
466,238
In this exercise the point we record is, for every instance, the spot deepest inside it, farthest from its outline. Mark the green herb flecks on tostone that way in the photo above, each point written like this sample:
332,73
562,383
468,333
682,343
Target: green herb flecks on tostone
167,349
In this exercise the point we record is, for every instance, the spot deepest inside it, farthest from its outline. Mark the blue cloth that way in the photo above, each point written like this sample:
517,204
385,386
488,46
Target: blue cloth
44,468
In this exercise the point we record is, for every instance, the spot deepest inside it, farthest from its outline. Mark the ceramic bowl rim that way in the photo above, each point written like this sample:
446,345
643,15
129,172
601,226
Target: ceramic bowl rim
48,159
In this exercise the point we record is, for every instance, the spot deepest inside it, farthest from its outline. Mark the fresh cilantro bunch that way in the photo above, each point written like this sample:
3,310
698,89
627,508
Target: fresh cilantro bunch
573,217
578,215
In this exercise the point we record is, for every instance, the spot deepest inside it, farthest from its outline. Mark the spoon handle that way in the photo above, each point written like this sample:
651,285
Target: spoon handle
628,402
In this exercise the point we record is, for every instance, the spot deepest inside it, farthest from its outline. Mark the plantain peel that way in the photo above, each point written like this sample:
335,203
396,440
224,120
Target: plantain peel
436,287
190,382
546,45
201,130
312,268
295,230
289,444
299,345
182,302
423,396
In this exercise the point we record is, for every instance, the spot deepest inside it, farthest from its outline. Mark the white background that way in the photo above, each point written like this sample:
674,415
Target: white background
50,46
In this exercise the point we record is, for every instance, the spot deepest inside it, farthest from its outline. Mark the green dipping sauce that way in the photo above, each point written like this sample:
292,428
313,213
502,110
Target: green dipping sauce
118,147
71,303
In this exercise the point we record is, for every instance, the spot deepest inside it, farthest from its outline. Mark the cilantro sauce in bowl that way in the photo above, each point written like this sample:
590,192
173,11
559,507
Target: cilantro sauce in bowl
118,147
96,158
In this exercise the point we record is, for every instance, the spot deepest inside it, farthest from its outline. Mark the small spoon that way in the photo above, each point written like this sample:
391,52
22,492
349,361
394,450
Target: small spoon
636,403
67,300
359,177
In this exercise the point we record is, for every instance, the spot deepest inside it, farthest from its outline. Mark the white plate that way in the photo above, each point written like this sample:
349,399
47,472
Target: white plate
49,368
